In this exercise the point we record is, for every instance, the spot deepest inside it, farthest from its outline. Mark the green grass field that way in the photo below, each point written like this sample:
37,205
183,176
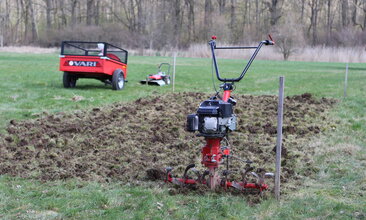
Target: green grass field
31,84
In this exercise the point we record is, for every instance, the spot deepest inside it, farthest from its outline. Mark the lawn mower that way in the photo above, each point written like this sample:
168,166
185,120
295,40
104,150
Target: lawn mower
214,120
159,79
97,60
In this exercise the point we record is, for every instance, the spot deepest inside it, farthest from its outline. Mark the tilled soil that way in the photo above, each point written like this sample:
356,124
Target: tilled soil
130,142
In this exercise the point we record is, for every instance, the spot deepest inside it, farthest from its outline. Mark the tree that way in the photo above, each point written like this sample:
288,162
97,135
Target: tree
222,4
48,13
232,25
344,7
315,7
178,23
176,8
287,40
275,11
33,22
191,19
89,11
207,18
73,4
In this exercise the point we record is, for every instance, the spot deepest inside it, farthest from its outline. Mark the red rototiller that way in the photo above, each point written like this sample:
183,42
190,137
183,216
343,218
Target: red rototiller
214,120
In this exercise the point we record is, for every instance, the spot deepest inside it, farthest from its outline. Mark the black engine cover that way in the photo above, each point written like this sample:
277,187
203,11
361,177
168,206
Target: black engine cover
206,121
215,108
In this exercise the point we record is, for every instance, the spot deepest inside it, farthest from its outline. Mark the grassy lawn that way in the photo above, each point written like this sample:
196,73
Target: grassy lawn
31,84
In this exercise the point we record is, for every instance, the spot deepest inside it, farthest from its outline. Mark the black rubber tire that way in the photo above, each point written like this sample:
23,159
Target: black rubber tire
167,80
118,80
69,80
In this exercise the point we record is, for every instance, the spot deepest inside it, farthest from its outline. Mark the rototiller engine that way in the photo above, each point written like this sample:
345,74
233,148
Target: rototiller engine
214,120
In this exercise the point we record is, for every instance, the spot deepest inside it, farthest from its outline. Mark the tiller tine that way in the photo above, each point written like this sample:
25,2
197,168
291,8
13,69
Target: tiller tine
168,171
190,166
238,185
170,178
260,179
246,171
245,184
199,175
181,181
256,175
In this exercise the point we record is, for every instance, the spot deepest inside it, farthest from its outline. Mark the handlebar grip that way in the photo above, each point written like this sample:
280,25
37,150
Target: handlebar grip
269,42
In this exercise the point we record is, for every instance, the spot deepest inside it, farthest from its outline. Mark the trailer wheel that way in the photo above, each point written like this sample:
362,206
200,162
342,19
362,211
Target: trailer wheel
69,80
118,80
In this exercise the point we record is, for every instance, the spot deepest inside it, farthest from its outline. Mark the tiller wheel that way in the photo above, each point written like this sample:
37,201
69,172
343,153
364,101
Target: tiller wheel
214,120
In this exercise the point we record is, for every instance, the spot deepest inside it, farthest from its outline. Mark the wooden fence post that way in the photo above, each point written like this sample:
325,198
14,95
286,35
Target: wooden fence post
345,82
174,62
279,137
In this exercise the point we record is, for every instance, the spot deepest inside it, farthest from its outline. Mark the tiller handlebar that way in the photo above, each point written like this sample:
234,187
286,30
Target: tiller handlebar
213,46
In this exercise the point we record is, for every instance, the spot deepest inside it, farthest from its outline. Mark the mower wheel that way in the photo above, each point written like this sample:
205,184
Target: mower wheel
69,80
167,80
118,80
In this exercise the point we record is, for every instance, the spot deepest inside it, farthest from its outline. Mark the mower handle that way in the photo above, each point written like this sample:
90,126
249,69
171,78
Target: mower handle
212,44
161,64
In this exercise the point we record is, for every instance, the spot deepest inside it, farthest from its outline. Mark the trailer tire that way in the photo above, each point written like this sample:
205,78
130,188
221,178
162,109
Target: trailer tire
118,80
69,80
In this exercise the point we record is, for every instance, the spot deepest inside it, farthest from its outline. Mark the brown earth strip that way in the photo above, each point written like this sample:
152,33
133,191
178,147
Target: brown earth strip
124,141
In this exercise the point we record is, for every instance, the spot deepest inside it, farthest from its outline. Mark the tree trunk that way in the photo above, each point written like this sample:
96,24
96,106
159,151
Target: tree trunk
5,26
329,25
34,36
73,13
232,15
55,15
314,8
25,10
207,18
176,19
2,26
354,13
221,6
48,13
140,17
275,12
345,20
364,14
89,11
245,14
233,29
97,13
16,27
63,15
302,10
191,20
315,25
256,18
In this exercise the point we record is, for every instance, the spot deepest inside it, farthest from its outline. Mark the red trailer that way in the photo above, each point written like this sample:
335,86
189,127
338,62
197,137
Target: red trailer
97,60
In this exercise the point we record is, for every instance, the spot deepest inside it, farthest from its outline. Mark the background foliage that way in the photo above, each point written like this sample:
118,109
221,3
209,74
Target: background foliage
158,24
